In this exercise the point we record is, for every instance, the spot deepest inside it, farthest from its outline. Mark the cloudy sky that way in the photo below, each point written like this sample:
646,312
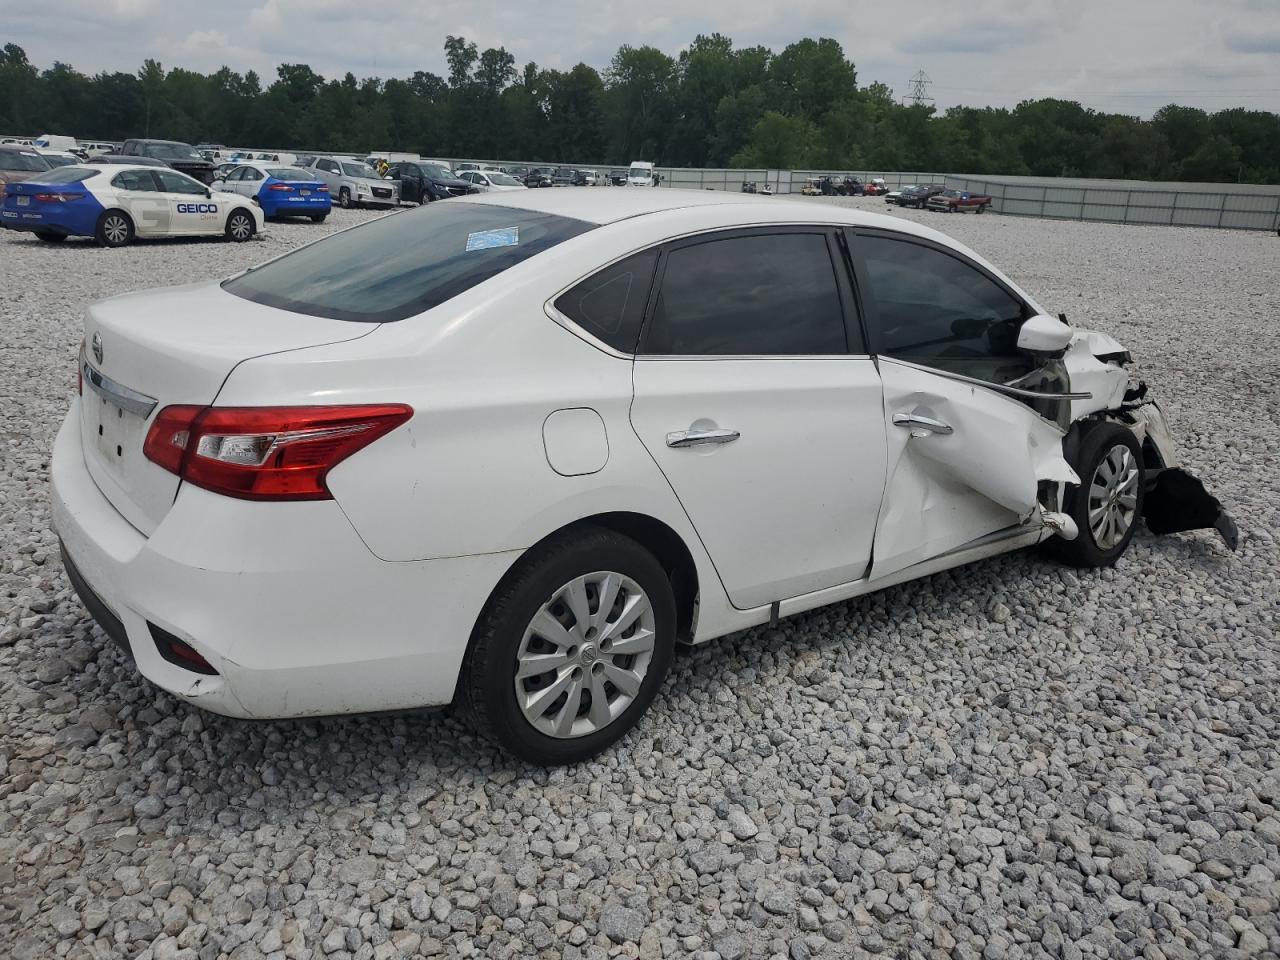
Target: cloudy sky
1128,56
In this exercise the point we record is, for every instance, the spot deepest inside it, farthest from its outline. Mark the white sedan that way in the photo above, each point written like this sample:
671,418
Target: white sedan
116,203
491,181
510,450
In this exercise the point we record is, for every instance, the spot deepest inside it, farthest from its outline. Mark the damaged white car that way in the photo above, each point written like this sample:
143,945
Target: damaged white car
510,450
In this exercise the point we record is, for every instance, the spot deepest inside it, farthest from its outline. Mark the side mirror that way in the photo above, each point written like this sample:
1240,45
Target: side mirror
1044,334
208,193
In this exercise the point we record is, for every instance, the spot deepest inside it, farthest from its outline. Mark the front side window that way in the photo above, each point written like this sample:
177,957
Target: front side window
396,267
753,295
609,305
936,310
171,181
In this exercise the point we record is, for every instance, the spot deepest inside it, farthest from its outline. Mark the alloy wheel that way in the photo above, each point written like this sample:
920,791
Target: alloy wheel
240,227
1113,496
584,655
116,229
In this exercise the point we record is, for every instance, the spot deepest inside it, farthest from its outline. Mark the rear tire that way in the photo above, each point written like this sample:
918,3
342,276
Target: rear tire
1108,502
240,226
115,229
318,217
49,237
574,653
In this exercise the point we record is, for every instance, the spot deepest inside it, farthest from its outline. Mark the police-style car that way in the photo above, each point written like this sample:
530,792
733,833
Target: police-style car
279,189
116,203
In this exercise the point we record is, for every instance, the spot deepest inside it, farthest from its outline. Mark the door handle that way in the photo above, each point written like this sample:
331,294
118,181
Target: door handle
694,438
914,422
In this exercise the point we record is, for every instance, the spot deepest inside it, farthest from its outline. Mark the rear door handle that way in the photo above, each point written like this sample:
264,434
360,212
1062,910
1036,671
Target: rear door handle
914,422
694,438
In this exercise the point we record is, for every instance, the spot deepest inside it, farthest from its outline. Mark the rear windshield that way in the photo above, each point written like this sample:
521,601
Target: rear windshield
404,264
289,173
68,175
21,160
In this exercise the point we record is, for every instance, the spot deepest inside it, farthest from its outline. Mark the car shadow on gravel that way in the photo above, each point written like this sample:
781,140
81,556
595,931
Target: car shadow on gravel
243,772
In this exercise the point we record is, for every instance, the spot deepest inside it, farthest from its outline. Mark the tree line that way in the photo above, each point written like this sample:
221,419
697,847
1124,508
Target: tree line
713,105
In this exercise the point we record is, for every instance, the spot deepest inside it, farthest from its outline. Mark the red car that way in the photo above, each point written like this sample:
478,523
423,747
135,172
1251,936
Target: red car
875,188
958,201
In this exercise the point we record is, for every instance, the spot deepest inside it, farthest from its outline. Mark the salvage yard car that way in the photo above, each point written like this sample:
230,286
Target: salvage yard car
423,182
485,181
511,449
19,163
280,191
114,204
180,156
957,201
916,195
352,182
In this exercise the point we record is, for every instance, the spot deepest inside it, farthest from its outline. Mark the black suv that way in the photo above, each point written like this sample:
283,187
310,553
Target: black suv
423,182
538,177
563,176
181,156
918,196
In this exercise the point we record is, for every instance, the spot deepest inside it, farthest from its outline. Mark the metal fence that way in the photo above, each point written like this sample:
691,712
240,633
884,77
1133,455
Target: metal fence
1185,205
1229,206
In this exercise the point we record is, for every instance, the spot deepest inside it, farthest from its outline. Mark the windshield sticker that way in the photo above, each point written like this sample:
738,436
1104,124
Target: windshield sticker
488,239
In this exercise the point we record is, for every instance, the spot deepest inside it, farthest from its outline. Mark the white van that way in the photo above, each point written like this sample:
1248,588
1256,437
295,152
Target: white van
54,141
641,174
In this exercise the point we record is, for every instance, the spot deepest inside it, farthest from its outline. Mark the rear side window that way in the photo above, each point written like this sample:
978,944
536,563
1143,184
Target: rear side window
404,264
755,295
609,305
134,180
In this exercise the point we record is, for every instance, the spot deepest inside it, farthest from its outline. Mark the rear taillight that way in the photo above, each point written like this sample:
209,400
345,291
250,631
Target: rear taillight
265,453
59,197
323,188
282,187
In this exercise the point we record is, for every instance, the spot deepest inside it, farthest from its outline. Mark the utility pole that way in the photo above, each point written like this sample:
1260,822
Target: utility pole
919,84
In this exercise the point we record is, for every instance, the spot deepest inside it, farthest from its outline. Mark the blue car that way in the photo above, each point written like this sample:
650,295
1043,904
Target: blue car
281,191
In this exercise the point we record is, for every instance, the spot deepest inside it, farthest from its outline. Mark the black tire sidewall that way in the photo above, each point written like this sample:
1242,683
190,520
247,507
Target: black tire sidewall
100,234
239,214
344,198
1096,443
488,675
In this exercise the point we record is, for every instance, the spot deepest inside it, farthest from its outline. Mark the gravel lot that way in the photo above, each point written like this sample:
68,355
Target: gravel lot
1009,760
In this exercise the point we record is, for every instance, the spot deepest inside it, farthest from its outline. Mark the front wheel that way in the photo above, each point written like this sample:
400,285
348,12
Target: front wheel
1108,502
344,198
572,648
239,226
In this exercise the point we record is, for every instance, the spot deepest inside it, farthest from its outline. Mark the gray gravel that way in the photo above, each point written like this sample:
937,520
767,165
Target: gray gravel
1008,760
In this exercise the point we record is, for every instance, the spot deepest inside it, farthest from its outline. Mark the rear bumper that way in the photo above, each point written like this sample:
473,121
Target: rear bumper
31,222
299,206
285,601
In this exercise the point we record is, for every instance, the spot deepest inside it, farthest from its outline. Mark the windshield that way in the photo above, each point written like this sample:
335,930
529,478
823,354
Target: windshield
21,160
396,267
170,151
68,175
502,180
58,161
640,172
289,173
358,170
437,173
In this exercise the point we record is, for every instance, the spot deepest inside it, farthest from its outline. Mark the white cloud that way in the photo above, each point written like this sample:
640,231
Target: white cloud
1131,57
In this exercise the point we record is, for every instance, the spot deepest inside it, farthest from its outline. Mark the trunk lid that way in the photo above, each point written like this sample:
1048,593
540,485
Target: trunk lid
146,351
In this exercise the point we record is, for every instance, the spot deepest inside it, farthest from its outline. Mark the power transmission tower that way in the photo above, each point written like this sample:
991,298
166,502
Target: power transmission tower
919,94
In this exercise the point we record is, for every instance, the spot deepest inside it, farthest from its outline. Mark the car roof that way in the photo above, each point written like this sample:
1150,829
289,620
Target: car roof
611,206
